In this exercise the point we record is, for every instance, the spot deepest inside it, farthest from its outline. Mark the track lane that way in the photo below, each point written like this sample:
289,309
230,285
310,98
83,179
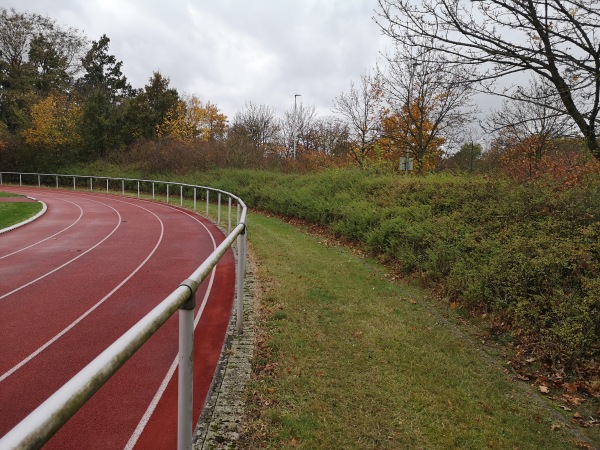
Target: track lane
100,223
146,370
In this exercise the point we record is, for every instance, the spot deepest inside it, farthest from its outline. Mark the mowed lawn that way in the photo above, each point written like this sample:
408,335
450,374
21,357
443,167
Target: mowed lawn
350,359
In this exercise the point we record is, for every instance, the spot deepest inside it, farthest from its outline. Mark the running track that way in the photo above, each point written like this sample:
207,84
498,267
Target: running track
74,281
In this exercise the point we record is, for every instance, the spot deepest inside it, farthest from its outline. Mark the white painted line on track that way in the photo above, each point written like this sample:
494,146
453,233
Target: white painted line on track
49,237
70,261
163,386
89,311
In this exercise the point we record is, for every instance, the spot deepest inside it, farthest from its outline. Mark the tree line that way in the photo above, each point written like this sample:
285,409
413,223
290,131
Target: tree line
64,99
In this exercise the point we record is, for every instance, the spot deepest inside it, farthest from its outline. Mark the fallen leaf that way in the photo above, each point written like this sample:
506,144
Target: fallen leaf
575,401
570,387
555,426
544,389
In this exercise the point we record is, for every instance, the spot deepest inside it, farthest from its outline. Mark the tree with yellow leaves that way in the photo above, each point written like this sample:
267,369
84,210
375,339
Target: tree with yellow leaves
54,123
428,103
410,134
193,120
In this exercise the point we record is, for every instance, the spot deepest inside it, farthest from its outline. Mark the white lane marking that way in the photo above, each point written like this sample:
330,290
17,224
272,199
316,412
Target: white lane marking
70,261
49,237
163,386
89,311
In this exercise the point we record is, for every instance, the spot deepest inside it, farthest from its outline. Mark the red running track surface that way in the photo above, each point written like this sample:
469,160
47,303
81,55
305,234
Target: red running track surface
74,281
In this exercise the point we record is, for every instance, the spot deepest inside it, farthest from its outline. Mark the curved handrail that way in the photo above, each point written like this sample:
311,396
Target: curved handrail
39,426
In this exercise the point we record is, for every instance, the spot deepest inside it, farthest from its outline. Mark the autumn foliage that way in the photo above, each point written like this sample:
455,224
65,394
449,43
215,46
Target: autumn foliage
410,134
563,163
54,122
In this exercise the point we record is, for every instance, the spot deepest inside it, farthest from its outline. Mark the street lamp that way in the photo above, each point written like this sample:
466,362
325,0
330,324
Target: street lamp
294,127
413,67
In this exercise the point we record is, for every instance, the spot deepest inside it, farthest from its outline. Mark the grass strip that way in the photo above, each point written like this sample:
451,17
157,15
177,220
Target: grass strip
351,360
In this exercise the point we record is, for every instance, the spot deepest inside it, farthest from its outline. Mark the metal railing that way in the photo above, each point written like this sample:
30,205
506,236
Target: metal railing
39,426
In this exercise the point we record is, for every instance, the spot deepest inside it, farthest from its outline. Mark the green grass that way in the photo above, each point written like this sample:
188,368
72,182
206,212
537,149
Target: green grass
13,213
351,360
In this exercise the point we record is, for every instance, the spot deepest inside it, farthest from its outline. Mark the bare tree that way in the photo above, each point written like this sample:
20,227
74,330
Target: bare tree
258,124
297,124
534,113
359,107
329,135
555,39
430,99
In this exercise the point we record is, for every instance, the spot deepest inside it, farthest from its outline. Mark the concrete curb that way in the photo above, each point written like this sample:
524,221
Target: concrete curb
220,423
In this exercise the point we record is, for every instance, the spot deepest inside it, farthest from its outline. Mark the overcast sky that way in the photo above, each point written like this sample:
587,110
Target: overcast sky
232,51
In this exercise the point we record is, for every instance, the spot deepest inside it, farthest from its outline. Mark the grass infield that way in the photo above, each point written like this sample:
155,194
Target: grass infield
13,213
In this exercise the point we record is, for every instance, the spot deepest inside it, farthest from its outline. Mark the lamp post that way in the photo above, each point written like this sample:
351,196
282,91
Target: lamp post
413,67
294,127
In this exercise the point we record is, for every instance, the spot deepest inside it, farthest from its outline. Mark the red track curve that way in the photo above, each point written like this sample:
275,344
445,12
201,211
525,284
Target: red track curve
74,281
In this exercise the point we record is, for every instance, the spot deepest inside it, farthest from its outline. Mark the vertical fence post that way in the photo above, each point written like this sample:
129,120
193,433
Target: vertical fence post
138,186
219,209
180,195
167,193
39,182
56,181
241,273
237,218
186,371
0,179
91,184
194,199
207,209
152,191
73,183
20,179
122,187
229,215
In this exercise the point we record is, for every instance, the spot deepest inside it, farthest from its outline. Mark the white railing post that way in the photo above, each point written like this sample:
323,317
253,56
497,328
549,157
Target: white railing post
185,394
39,182
138,186
122,187
181,195
194,199
241,273
20,180
167,193
229,215
219,209
91,184
207,203
152,191
73,183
